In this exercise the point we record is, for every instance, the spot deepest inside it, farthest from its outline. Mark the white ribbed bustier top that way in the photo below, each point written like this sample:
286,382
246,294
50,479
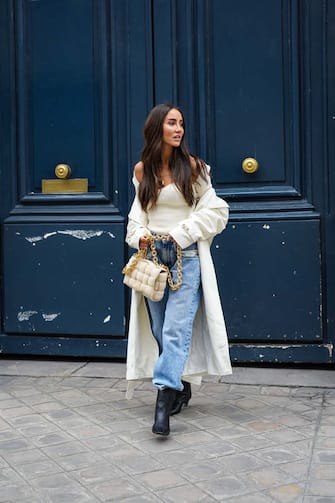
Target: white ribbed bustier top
171,207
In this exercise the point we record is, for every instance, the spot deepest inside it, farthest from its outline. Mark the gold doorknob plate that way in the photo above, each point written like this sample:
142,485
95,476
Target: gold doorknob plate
64,184
250,165
63,171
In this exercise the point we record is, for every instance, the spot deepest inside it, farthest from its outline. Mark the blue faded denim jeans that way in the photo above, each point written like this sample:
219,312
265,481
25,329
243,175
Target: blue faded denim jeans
172,317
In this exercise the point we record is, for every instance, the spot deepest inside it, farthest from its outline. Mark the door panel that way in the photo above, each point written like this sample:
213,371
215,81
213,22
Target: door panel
270,289
329,178
63,100
69,281
60,92
255,98
273,243
248,85
63,253
275,255
249,96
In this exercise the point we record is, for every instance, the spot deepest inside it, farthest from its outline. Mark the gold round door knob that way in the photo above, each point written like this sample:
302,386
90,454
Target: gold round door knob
250,165
63,171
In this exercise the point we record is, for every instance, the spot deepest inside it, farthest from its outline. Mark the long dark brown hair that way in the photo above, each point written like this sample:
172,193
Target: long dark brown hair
179,163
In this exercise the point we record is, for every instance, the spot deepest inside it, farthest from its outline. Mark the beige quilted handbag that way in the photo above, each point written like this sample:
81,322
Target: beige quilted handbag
148,276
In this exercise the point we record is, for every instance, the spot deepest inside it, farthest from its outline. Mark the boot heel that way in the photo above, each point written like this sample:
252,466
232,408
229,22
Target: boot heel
182,399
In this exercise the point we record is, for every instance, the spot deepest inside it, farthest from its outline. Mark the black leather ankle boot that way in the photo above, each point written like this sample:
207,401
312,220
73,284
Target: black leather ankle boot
182,398
165,399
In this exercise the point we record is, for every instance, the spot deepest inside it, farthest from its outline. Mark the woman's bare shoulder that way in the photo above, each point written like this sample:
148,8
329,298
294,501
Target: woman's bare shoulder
193,163
138,171
198,167
194,168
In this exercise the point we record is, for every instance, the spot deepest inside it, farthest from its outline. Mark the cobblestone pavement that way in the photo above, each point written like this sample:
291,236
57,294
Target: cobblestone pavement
67,435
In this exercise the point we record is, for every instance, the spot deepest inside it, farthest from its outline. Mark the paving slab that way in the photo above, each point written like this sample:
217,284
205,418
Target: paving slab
282,377
102,369
39,368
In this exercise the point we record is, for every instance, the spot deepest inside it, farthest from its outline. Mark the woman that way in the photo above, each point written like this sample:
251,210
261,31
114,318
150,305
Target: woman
182,337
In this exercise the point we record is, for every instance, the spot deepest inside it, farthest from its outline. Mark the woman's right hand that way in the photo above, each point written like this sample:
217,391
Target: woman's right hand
144,242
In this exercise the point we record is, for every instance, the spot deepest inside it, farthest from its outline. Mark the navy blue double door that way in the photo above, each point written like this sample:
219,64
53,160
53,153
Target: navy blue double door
256,88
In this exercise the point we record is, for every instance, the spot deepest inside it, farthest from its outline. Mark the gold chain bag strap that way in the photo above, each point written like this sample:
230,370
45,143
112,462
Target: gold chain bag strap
149,277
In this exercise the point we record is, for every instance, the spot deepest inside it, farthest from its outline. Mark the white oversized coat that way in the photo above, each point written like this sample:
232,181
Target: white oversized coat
209,352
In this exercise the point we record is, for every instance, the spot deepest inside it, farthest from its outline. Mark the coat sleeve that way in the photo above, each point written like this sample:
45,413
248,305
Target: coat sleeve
209,218
137,221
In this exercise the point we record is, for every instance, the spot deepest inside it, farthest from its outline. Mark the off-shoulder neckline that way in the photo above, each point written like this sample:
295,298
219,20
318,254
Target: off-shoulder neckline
136,182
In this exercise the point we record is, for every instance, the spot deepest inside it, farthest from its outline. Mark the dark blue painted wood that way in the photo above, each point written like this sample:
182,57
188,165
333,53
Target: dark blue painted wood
106,348
80,77
317,81
62,88
63,93
64,279
179,33
253,111
203,54
329,179
132,89
7,107
58,91
274,354
82,347
248,89
269,277
165,51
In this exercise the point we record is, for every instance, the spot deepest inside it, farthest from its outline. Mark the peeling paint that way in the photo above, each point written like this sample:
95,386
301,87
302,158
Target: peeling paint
50,317
107,319
25,315
330,349
49,234
77,234
34,239
81,234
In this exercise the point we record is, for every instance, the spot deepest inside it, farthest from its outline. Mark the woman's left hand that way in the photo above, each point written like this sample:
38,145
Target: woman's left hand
144,242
